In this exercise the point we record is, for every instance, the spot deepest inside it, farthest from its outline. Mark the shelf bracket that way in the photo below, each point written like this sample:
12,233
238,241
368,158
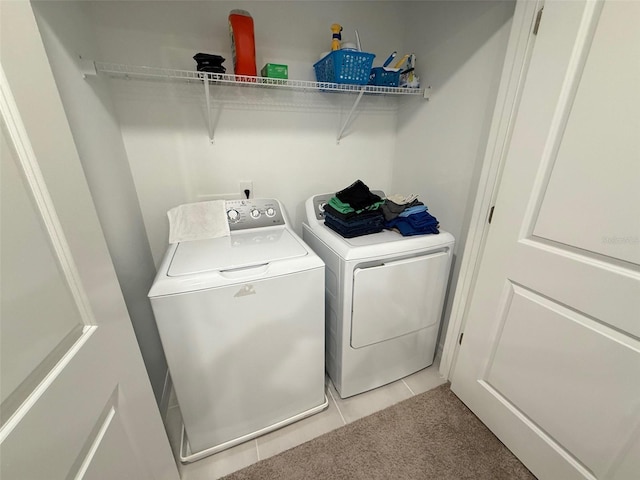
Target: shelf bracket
87,68
207,96
355,105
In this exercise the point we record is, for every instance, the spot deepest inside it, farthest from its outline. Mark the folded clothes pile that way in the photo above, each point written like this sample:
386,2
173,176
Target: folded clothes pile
408,215
357,211
354,211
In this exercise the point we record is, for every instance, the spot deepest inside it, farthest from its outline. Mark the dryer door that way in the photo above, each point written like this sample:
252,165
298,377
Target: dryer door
397,298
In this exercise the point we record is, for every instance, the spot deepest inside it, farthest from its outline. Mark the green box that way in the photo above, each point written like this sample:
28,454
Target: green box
274,70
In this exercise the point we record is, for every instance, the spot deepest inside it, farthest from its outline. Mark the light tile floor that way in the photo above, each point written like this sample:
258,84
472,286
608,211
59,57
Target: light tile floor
339,413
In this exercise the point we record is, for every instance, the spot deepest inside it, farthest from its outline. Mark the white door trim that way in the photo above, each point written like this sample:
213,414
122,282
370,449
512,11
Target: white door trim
519,47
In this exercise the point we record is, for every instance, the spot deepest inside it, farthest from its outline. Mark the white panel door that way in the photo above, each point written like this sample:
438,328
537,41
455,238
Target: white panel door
550,358
76,401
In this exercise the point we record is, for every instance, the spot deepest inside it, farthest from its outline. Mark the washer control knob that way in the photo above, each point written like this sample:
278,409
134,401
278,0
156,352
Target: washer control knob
270,212
255,213
233,216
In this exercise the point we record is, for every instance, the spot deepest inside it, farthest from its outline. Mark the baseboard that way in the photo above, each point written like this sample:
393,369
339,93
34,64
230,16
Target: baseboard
438,356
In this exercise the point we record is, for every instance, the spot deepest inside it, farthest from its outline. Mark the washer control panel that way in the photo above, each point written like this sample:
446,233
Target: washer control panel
254,213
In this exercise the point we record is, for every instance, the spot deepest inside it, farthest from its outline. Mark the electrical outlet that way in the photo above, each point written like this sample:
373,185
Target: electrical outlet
244,186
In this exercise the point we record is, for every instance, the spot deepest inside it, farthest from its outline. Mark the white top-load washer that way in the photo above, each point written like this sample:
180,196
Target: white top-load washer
242,326
384,298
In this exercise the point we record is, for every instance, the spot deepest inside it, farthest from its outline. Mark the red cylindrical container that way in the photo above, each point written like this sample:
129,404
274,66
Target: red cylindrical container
243,45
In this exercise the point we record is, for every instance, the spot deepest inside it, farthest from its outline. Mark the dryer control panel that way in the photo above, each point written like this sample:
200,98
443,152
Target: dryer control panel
254,213
319,201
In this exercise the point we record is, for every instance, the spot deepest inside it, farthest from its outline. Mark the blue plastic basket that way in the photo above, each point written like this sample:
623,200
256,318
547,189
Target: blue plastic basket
383,78
344,66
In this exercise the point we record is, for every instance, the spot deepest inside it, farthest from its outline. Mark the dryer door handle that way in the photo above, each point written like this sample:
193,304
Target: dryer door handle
243,272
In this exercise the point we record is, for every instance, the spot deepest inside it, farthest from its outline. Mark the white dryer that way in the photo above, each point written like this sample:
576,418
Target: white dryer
242,326
384,295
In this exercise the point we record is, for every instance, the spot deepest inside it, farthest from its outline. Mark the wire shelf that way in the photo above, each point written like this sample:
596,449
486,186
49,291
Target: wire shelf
132,71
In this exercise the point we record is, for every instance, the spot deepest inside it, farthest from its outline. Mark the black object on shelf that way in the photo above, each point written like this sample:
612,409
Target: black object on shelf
208,62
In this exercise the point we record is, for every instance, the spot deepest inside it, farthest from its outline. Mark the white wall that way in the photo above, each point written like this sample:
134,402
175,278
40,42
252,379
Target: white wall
67,35
289,151
460,47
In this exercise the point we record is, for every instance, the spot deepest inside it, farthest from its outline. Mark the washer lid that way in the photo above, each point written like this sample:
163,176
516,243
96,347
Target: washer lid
239,250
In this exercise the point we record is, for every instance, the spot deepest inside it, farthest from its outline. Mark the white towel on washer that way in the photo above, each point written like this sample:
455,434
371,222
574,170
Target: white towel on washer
198,221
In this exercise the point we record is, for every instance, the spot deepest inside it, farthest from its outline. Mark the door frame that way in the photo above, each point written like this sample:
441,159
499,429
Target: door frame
514,71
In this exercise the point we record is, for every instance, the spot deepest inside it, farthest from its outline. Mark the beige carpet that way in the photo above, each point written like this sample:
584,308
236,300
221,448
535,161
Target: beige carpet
430,436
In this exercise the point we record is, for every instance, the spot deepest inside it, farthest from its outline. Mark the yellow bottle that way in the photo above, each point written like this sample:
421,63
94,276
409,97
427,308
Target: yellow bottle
336,37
